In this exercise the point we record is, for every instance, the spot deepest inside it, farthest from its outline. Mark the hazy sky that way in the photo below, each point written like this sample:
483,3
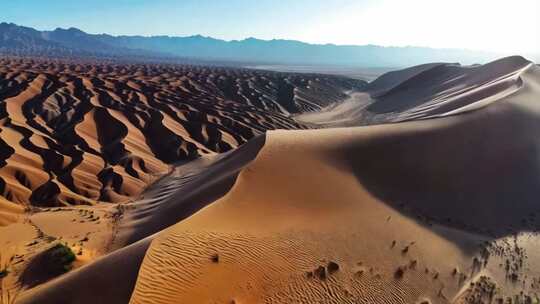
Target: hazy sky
492,25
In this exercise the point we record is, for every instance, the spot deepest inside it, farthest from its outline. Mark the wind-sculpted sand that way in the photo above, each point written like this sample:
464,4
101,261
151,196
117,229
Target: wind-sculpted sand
425,91
438,210
368,215
80,133
92,132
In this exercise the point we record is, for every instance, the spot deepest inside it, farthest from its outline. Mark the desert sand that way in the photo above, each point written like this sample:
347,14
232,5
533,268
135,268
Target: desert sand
422,189
371,217
82,132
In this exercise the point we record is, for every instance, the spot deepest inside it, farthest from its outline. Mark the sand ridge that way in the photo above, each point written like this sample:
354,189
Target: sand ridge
82,132
79,132
423,92
423,211
334,225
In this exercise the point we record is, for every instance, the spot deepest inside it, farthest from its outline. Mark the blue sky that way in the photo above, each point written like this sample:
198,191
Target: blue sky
508,27
228,19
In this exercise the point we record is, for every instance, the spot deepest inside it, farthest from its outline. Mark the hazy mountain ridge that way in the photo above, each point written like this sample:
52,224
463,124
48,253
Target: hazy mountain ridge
20,40
17,40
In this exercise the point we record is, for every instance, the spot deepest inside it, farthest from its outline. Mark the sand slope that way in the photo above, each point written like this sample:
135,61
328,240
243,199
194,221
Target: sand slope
425,211
425,91
89,133
365,215
76,132
169,200
264,241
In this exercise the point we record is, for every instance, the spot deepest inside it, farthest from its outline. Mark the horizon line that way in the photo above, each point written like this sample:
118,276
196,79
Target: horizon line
269,40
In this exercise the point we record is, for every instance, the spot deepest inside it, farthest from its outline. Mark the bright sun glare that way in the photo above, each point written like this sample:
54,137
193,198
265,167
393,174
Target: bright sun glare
498,26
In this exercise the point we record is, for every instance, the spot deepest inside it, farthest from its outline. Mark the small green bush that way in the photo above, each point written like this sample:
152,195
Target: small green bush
47,265
60,257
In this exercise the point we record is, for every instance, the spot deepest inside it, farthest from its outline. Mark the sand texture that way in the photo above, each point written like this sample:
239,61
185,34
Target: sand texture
422,189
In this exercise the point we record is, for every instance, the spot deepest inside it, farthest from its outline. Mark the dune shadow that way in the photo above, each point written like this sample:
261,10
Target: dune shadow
195,187
480,173
110,279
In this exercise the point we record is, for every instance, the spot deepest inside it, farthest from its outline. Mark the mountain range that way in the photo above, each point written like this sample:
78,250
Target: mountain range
73,42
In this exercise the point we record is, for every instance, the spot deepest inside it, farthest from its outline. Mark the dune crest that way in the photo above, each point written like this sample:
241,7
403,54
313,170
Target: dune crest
425,91
82,133
326,216
437,208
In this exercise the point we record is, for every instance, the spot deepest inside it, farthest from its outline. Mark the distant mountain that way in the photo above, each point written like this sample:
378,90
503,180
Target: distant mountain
77,39
21,40
16,39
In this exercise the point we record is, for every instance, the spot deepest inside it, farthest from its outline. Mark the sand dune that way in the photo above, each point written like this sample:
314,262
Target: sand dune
364,215
167,201
426,91
83,132
438,210
271,245
113,276
78,133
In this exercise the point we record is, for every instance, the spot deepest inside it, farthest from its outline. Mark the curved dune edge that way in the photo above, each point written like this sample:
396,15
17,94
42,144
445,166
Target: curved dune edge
83,132
168,201
183,192
108,280
268,233
308,203
9,212
373,208
86,230
424,92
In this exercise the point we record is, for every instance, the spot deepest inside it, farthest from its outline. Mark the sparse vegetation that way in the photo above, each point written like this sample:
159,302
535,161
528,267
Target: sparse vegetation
400,271
320,272
48,264
59,258
332,267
